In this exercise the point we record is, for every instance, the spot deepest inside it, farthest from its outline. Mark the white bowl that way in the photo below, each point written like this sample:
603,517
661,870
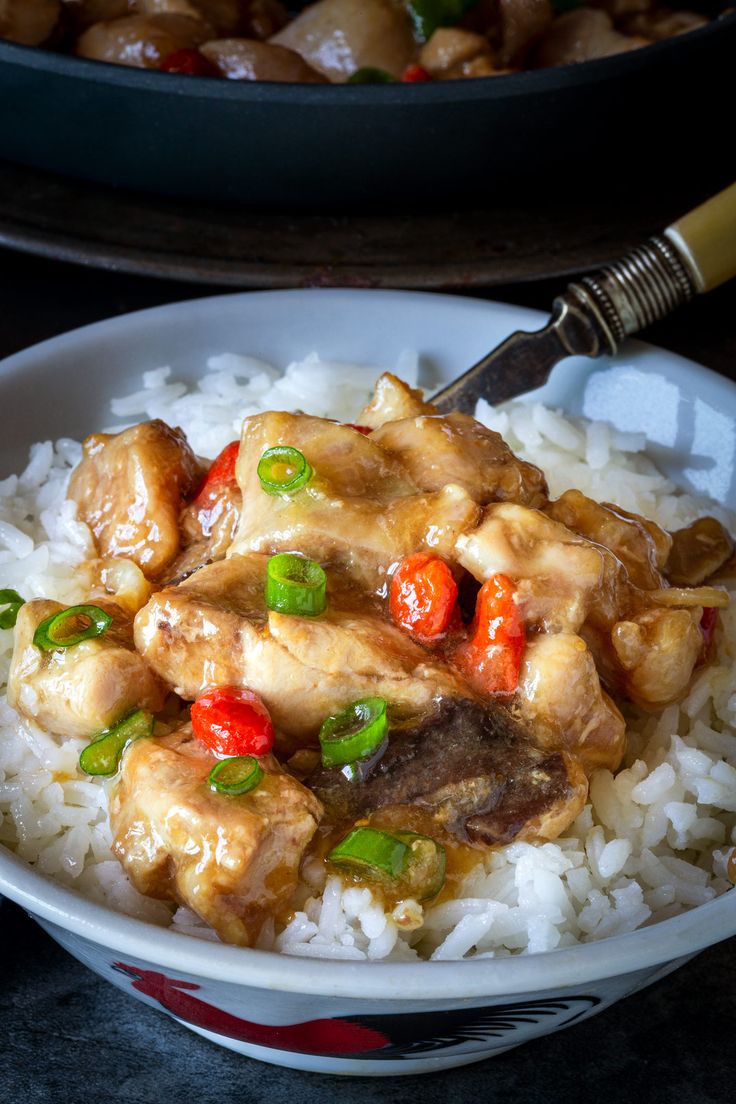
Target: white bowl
360,1017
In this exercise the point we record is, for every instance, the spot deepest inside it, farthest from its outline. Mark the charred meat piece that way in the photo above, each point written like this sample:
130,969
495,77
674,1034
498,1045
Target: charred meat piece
698,552
437,450
214,629
232,860
129,489
360,510
79,691
474,769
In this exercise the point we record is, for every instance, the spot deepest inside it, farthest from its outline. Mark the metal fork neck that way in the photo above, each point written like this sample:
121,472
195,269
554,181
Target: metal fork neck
646,285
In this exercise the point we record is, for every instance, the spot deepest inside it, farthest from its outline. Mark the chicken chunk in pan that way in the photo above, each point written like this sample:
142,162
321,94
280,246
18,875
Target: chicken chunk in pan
582,35
214,629
476,772
82,690
249,59
28,22
232,860
129,489
453,53
142,41
338,37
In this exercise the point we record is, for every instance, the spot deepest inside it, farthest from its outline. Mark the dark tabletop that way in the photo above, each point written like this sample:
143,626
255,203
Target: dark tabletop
66,1036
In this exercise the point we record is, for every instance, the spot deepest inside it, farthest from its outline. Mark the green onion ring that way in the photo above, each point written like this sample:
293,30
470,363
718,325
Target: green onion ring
355,733
370,75
102,756
12,601
416,864
283,470
296,585
49,635
368,851
237,775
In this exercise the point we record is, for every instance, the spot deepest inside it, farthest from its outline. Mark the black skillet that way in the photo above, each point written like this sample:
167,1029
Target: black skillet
632,120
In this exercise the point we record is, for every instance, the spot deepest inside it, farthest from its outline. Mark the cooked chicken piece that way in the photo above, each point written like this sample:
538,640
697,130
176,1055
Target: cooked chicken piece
453,53
232,860
658,651
457,449
264,18
662,23
522,22
698,552
359,509
85,12
208,525
249,59
129,490
29,22
82,690
116,581
225,17
640,545
474,769
561,701
560,577
214,629
141,41
338,37
581,35
393,399
618,8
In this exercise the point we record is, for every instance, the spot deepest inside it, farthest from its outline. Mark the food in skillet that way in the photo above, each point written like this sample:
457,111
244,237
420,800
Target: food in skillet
373,654
370,41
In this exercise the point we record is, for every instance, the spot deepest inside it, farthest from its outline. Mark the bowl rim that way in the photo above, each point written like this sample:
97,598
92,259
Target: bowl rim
552,79
676,938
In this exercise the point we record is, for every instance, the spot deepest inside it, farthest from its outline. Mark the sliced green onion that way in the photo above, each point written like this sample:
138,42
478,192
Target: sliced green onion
283,470
368,851
355,733
12,602
102,756
236,776
51,633
295,584
415,864
370,75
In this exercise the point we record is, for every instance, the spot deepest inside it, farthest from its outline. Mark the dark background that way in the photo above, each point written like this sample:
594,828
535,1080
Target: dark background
68,1037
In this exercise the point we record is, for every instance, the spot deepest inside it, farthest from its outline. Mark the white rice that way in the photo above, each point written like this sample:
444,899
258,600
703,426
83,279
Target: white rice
653,841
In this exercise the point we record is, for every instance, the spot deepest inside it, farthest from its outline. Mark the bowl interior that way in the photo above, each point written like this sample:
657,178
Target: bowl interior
686,412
